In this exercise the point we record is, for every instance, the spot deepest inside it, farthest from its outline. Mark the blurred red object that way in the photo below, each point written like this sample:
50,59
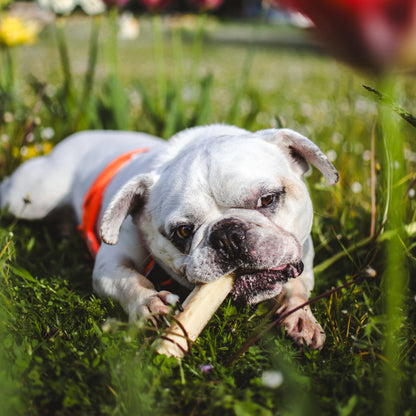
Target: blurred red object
156,5
375,34
115,3
206,4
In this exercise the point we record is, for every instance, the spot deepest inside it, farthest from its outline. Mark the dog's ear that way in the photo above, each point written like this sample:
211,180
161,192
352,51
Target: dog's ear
128,201
302,151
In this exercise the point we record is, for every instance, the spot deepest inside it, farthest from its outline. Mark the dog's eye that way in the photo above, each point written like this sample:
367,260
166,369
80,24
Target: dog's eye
181,237
266,200
270,200
184,232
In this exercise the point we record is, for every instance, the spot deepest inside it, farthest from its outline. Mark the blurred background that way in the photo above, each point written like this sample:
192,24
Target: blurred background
160,66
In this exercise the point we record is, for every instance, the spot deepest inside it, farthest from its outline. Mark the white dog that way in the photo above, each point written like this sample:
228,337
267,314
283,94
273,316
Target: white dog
212,200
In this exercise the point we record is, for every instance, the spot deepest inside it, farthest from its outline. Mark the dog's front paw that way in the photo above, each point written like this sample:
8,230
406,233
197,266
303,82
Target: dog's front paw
301,325
153,306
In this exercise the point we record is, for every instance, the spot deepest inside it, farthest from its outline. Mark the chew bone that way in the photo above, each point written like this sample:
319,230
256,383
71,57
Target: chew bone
198,308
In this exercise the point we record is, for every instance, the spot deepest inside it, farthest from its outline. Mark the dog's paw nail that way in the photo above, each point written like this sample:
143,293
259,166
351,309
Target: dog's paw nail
172,299
168,298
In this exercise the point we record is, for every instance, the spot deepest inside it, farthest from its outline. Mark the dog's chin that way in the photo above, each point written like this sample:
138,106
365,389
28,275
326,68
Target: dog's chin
254,286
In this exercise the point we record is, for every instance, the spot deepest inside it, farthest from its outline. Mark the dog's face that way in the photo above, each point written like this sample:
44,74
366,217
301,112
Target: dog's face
232,204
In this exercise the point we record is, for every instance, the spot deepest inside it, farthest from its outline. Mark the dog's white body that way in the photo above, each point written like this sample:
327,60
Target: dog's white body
212,200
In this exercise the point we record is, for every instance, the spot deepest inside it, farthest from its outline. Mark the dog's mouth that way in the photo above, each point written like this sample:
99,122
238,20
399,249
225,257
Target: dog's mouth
252,286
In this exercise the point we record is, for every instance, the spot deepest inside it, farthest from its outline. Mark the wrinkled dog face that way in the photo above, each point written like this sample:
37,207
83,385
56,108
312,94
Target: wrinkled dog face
217,204
231,204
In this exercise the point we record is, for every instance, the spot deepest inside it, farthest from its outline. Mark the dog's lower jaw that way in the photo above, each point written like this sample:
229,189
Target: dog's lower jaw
254,286
265,295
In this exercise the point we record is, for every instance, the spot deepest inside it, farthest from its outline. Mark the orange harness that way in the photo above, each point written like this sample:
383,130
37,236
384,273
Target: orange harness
94,198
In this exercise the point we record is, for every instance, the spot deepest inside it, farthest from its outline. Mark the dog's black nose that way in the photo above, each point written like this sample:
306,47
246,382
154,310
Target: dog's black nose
228,239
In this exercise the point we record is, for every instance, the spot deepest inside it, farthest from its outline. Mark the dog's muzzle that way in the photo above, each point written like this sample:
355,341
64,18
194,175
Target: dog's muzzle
230,239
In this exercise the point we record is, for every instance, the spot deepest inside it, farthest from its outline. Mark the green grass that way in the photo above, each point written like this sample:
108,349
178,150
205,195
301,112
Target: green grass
65,351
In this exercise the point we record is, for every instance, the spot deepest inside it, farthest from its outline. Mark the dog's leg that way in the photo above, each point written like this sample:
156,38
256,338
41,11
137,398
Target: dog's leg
135,293
117,275
301,325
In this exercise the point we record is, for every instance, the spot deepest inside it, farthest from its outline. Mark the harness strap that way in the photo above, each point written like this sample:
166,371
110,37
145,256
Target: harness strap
94,197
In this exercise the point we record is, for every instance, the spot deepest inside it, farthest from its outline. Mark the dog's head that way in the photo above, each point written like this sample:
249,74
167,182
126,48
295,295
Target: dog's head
233,203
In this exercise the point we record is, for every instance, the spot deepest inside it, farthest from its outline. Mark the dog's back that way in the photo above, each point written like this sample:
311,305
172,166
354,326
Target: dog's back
44,184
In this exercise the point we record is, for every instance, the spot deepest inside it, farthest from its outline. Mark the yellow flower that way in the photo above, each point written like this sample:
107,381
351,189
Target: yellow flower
32,150
15,31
